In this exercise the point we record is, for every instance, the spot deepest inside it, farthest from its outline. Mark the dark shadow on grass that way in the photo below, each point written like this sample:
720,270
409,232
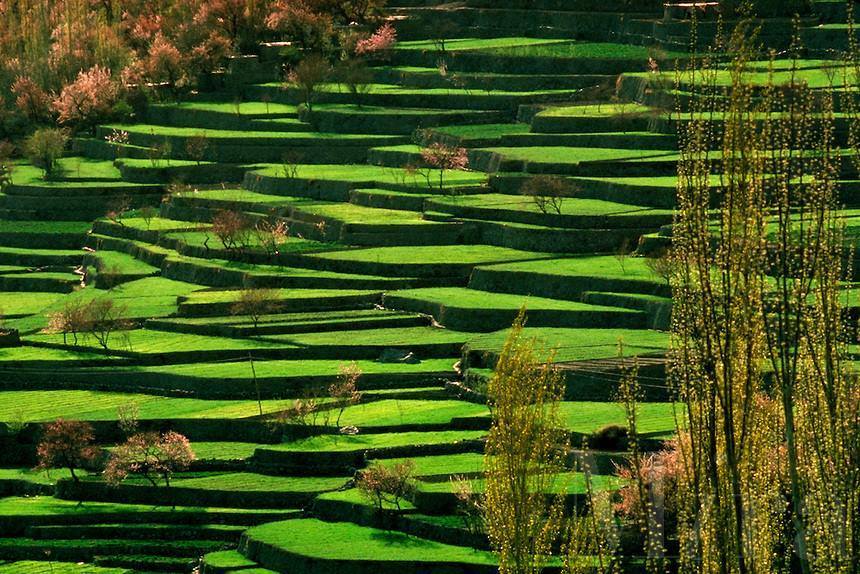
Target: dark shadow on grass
400,540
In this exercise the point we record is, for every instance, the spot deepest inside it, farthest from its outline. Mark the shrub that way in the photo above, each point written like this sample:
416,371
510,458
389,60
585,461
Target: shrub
658,477
299,412
355,75
662,266
469,505
5,164
88,100
150,455
67,444
254,303
765,8
44,147
290,162
128,417
160,151
232,228
307,77
147,213
548,192
117,208
271,233
387,484
621,254
196,147
118,139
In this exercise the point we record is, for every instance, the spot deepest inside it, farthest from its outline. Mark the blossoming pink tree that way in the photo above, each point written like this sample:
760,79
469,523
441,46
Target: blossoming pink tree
379,43
87,100
150,455
67,444
443,157
32,101
165,64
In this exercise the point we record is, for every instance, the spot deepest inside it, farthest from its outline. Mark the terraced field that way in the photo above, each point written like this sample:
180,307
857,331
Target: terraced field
413,281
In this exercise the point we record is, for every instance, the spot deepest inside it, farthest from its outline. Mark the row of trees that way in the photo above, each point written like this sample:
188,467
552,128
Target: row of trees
770,448
236,231
70,445
764,475
102,318
152,456
343,393
343,61
80,63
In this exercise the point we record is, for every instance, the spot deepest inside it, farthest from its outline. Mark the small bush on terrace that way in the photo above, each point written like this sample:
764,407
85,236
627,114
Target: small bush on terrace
548,192
117,139
104,317
271,233
67,321
387,484
117,208
254,303
147,213
232,228
196,147
44,147
609,437
355,75
303,412
765,8
657,476
307,77
662,266
5,164
470,508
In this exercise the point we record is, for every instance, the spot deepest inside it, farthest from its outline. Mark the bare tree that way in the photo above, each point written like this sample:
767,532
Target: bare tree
759,285
103,318
254,303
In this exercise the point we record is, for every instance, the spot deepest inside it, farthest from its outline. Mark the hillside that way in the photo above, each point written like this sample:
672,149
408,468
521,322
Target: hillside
369,260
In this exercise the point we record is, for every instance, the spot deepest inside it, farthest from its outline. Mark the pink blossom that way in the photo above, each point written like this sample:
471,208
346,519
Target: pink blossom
380,41
88,98
67,444
165,63
30,99
150,455
441,156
